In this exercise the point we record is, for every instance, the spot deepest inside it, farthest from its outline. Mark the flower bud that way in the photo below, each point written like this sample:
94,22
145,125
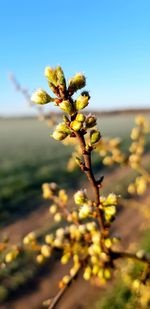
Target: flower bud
60,76
91,226
46,251
57,242
135,133
140,254
87,273
90,121
114,142
63,196
47,191
108,160
77,82
40,258
80,117
108,242
63,127
50,73
76,125
53,209
66,279
94,136
136,284
95,269
57,217
49,239
85,211
10,256
29,238
80,197
81,102
59,135
41,97
74,269
110,210
111,199
60,232
132,188
107,273
65,258
67,107
101,275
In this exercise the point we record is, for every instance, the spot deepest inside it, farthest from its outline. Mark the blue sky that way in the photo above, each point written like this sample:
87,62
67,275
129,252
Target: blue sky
108,40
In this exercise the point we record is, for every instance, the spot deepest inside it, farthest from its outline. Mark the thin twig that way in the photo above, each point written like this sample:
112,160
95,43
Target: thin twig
61,292
121,254
90,175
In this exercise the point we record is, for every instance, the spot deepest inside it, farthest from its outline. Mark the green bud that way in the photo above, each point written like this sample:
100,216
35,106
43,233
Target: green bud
63,127
81,102
77,82
80,117
76,125
59,135
67,107
51,75
41,97
90,121
94,136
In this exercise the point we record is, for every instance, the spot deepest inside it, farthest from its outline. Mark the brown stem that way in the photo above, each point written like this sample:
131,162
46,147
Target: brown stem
87,159
61,292
120,254
90,175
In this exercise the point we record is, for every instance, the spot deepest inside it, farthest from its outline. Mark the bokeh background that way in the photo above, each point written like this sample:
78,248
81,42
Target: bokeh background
109,41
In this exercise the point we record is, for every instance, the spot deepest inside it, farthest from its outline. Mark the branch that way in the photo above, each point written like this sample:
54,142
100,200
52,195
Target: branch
90,175
120,254
61,292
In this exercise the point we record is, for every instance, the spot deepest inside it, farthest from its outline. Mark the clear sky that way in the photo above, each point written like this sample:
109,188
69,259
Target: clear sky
108,40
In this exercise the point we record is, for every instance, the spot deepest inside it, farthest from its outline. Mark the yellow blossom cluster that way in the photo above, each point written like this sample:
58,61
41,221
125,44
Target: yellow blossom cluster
139,285
110,150
138,140
80,239
136,149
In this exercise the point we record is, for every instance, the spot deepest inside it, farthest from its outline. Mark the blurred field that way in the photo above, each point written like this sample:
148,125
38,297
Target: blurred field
29,157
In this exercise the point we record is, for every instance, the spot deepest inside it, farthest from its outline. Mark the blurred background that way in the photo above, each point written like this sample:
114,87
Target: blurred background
109,41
